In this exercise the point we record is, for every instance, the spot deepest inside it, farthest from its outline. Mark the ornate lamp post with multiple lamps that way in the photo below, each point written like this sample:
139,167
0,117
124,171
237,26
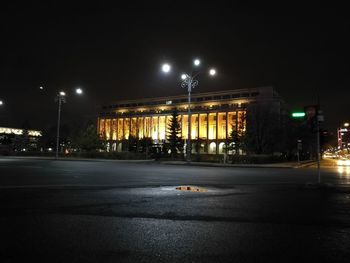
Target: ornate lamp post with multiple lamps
189,82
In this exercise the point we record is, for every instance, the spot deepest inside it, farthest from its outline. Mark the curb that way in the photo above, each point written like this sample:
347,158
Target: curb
229,165
76,159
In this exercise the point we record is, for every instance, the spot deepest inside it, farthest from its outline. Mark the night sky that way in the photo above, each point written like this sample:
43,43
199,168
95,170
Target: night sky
115,52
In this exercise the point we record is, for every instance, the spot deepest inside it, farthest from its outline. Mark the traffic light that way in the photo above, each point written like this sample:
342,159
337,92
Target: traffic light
298,114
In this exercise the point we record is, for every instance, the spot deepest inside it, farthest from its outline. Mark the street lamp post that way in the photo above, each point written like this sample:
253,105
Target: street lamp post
189,81
61,97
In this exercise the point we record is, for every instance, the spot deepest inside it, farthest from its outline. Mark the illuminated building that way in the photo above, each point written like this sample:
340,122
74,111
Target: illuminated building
214,116
14,131
344,136
9,138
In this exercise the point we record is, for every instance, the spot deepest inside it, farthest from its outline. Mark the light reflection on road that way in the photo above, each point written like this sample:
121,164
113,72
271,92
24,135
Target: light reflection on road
344,172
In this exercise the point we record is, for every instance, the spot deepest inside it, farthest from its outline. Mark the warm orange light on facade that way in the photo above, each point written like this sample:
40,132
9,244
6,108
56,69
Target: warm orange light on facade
214,128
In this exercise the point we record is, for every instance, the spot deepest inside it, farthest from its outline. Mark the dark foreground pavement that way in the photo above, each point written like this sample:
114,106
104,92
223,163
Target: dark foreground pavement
67,211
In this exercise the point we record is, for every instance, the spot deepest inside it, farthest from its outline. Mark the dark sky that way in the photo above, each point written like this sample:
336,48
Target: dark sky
115,52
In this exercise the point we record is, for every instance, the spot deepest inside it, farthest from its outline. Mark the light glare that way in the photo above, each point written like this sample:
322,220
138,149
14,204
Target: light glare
197,62
212,72
79,91
166,68
62,93
183,76
1,103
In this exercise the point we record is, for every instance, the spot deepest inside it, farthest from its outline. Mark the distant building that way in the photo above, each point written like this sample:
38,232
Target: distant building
15,131
344,137
214,115
13,139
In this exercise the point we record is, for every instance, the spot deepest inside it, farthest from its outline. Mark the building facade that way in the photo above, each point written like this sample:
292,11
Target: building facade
214,115
13,139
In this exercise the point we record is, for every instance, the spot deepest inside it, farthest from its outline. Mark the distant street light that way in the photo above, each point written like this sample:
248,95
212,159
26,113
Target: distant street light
1,103
166,68
79,91
196,62
41,87
346,124
61,98
189,81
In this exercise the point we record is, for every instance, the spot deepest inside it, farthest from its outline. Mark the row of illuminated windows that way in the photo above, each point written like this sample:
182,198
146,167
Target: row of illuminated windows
210,126
194,99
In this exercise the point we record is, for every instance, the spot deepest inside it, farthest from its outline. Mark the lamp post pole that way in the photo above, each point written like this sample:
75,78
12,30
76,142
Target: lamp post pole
189,82
189,124
61,99
318,149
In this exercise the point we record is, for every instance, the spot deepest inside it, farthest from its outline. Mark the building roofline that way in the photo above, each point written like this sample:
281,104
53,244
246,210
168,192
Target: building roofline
193,95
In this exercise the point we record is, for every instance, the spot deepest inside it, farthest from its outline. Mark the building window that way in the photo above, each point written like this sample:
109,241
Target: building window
212,126
114,129
126,128
162,128
108,129
231,122
101,130
212,148
133,127
241,125
148,129
140,127
203,126
221,148
154,127
120,129
194,126
184,126
222,125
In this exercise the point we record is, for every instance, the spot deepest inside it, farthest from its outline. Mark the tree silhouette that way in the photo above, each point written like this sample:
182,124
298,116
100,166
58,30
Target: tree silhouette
174,134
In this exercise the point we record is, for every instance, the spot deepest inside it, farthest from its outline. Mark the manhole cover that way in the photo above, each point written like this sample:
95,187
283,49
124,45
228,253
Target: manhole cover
191,188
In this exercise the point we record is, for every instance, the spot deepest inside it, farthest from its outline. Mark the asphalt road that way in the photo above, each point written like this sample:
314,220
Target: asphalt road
107,211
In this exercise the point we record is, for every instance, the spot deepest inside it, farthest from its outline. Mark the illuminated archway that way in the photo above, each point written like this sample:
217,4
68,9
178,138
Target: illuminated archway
212,148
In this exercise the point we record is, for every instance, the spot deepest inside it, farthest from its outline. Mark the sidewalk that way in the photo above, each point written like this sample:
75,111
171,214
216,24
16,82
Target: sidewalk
75,159
272,165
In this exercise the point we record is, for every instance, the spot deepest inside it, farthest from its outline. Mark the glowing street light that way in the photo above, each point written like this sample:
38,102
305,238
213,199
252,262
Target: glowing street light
346,124
212,72
1,103
79,91
41,87
189,81
166,68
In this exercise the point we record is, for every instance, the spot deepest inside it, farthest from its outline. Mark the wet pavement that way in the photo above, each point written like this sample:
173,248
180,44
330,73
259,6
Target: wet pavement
66,211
